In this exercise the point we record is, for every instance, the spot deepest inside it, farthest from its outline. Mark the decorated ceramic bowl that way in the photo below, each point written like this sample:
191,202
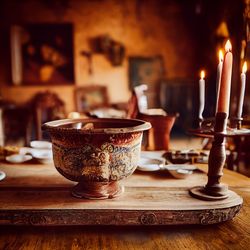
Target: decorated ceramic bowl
96,153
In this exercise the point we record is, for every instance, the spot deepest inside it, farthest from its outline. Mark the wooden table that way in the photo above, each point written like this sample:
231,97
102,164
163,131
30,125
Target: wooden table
234,234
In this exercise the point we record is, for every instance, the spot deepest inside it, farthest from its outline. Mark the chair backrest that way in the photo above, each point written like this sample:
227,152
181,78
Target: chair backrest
47,106
15,124
138,102
157,138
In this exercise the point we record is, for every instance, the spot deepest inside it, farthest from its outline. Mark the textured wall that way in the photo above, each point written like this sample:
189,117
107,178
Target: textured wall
146,28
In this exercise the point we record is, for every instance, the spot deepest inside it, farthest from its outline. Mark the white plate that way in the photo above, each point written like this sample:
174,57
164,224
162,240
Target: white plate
18,158
41,144
150,164
149,167
180,173
2,175
42,155
180,166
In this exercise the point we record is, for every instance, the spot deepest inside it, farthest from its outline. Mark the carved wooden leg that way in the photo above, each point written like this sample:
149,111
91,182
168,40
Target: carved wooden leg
216,161
214,190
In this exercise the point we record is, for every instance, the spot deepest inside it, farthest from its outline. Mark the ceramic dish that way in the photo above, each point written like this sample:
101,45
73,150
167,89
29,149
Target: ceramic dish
41,144
150,164
180,173
42,155
18,158
2,175
180,166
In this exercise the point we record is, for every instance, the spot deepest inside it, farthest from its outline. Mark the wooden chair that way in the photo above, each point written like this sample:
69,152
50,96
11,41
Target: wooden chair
15,124
138,101
157,138
47,106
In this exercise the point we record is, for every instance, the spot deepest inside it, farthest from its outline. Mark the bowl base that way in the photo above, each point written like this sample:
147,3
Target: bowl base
97,190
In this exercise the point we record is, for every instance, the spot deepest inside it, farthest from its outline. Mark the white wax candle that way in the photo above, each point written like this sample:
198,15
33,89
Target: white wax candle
242,90
218,78
225,85
201,94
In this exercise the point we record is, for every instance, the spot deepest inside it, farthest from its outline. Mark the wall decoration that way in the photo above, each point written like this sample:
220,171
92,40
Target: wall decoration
113,50
145,70
91,97
149,71
42,54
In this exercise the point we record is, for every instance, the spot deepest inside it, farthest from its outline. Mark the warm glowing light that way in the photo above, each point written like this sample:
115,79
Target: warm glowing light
202,74
228,46
220,55
244,68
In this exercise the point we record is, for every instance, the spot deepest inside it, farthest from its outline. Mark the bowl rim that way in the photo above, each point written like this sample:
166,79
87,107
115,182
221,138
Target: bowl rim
55,126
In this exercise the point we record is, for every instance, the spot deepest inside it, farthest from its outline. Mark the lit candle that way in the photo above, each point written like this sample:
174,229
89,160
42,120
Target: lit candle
225,84
218,78
242,90
201,94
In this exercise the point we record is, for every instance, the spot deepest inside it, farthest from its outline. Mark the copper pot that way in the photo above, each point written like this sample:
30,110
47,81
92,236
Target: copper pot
158,137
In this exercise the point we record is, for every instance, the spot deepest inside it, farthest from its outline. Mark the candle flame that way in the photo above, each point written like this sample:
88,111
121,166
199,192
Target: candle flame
202,74
228,46
220,55
244,68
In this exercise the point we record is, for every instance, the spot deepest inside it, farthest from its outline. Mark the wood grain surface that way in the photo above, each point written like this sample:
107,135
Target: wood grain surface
234,234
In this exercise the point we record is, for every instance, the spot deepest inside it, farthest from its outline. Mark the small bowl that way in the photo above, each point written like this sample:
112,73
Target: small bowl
97,153
18,158
150,164
2,175
180,171
43,156
41,144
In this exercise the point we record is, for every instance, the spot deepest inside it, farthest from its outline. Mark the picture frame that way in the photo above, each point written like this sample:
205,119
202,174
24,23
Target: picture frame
149,71
42,54
91,97
146,70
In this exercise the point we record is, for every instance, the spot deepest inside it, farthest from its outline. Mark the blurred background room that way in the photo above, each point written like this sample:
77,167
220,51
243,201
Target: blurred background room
72,58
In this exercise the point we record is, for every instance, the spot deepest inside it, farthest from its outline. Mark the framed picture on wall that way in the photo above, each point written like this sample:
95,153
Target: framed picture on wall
42,54
91,97
145,70
149,71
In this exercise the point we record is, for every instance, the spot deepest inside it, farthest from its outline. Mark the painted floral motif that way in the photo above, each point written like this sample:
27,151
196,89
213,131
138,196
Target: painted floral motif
109,162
